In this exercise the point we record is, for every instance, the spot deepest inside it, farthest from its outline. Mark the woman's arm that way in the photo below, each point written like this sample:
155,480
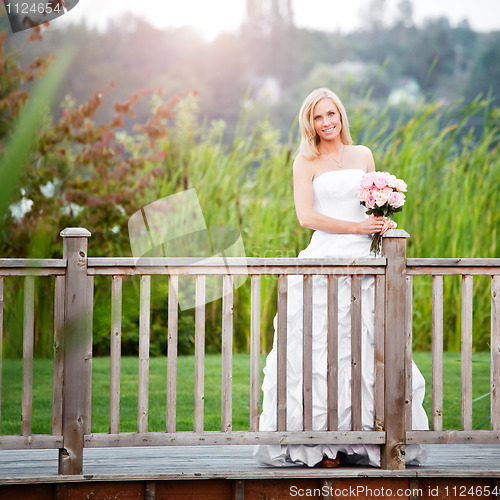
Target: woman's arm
308,217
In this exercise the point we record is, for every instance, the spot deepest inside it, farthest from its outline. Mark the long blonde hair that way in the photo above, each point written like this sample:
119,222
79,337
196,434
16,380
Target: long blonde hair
309,138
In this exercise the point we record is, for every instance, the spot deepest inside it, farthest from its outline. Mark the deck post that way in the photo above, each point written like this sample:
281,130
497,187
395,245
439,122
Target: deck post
77,342
392,454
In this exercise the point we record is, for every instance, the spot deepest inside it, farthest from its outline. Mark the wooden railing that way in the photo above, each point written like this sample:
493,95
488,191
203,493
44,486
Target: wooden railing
72,375
467,269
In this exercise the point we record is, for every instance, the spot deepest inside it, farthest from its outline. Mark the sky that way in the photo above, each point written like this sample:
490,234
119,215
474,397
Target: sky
213,16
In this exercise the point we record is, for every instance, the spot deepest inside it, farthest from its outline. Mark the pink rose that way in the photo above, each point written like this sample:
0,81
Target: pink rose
401,185
363,193
380,180
396,199
381,197
392,181
367,181
387,192
370,201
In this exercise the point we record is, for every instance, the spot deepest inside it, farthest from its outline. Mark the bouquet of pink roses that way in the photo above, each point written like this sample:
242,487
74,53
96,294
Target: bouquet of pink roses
382,194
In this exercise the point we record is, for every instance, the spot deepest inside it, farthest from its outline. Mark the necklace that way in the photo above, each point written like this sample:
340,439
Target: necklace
338,162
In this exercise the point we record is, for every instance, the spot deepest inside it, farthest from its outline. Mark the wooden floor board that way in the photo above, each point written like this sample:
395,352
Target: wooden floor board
229,462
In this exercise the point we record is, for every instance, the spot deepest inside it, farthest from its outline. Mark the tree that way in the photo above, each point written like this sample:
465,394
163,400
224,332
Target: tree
267,33
404,15
485,75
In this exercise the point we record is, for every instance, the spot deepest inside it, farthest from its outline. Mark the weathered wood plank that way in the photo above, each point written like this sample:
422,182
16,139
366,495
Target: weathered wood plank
144,336
1,343
233,437
255,282
379,329
47,271
307,353
115,354
466,348
228,262
453,271
332,372
199,354
356,340
282,352
495,353
195,270
58,375
88,357
437,353
28,345
34,441
392,453
173,326
30,263
227,353
453,262
453,437
77,332
409,352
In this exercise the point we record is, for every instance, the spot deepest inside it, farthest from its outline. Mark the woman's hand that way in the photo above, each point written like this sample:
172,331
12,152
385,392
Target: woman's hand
388,224
373,225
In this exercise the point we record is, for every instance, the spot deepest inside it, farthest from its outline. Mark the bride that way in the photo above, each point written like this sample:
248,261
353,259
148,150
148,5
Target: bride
326,179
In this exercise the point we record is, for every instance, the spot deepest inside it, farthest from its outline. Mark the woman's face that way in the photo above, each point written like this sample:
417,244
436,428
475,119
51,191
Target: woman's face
326,119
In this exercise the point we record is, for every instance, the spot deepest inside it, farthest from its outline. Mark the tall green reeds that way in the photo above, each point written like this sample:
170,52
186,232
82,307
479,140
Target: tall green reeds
447,154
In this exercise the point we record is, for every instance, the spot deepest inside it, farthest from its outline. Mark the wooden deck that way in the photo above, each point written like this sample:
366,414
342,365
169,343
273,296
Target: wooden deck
228,462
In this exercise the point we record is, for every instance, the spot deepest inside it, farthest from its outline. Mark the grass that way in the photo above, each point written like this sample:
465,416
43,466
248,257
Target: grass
42,392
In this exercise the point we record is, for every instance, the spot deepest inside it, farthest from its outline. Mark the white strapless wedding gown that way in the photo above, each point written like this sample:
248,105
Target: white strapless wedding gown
335,195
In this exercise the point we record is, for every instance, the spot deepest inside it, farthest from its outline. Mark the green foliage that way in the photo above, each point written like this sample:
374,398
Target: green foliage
448,156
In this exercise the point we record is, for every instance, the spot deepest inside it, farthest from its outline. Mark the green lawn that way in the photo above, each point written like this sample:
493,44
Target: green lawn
42,393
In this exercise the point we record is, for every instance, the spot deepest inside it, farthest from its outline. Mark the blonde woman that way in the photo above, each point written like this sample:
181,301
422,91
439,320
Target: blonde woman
326,178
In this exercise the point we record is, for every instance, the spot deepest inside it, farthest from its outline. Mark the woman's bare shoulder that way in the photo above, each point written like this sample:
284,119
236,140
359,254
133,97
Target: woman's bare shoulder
365,155
362,150
303,165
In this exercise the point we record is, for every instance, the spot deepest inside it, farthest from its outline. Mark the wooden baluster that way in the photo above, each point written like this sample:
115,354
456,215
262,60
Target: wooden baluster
88,357
173,325
199,354
495,353
254,352
282,352
378,334
115,355
144,333
356,324
409,352
28,343
1,342
227,353
437,353
466,363
332,363
58,375
307,353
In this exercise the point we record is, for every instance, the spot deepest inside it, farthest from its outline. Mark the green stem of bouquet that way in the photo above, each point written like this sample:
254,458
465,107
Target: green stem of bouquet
376,242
